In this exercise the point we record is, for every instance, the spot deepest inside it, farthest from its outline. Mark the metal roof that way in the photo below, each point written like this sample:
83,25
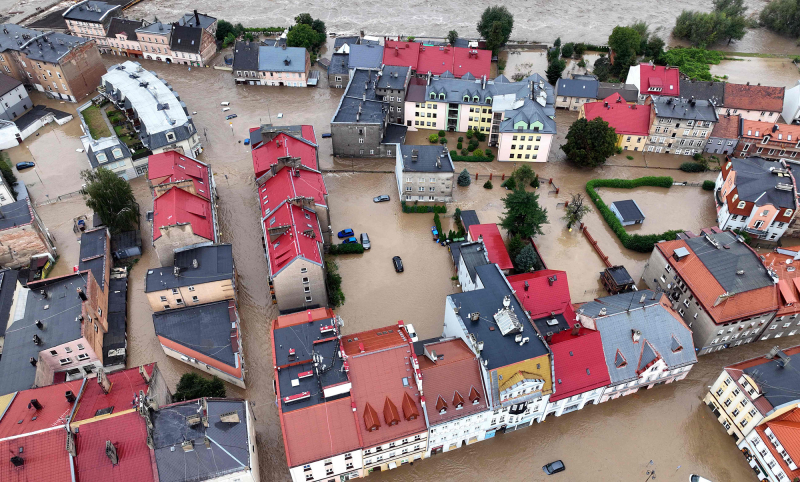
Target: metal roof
684,108
732,263
214,263
425,159
577,88
629,210
204,328
277,59
757,182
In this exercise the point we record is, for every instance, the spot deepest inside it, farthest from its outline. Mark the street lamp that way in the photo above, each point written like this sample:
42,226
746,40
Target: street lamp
651,474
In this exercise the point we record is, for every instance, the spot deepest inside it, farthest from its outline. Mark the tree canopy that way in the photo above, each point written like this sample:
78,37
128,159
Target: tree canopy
528,260
590,143
225,28
693,62
602,69
302,35
726,22
782,16
452,36
192,385
576,210
111,197
495,26
554,70
464,179
625,42
523,215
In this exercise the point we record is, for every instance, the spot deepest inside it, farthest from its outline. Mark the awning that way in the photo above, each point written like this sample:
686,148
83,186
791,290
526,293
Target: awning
392,465
786,292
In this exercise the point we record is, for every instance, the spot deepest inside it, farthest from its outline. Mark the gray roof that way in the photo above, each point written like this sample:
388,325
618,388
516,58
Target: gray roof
365,56
116,337
186,39
662,334
426,159
106,146
393,77
725,264
339,42
8,83
214,263
713,91
38,111
156,28
190,20
577,88
416,93
276,59
15,214
91,11
360,97
338,64
464,91
777,383
8,283
46,47
683,108
629,210
757,182
474,255
468,218
629,92
92,257
204,328
530,112
123,25
228,450
501,79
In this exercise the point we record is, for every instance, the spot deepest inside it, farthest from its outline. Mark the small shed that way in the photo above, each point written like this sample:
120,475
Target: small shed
627,212
616,280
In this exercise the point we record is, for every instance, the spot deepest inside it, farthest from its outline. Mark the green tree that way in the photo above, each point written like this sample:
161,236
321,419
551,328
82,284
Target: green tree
557,43
782,16
527,260
230,39
554,70
464,179
523,175
523,215
302,35
725,22
319,26
590,143
602,68
495,26
192,386
304,18
576,210
731,8
580,48
452,36
693,62
643,29
625,42
111,197
238,29
567,50
223,29
655,50
514,245
333,280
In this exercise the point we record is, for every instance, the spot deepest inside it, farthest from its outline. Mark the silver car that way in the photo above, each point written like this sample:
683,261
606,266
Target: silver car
365,240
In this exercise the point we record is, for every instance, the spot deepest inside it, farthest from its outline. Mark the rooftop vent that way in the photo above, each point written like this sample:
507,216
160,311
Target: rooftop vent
111,453
188,446
229,417
70,396
34,403
17,461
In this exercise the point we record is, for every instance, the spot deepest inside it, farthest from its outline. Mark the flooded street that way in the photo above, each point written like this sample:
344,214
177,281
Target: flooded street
612,441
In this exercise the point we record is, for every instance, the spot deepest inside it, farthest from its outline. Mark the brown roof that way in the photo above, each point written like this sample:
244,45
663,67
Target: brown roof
786,429
390,413
371,421
788,284
458,400
410,411
373,340
727,127
319,432
754,97
440,404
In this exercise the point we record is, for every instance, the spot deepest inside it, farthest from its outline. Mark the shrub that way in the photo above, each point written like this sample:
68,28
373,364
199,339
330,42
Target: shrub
708,185
459,145
442,133
464,152
692,167
466,158
477,153
535,182
582,63
464,179
567,50
480,135
509,184
350,248
442,141
438,223
460,139
421,208
433,138
488,184
630,158
488,153
334,284
469,134
471,147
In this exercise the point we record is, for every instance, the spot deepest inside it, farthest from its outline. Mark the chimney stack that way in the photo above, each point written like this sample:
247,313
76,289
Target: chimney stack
70,396
33,361
34,403
39,324
82,295
197,18
576,328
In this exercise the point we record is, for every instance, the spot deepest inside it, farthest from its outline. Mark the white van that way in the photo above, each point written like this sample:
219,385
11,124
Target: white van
225,103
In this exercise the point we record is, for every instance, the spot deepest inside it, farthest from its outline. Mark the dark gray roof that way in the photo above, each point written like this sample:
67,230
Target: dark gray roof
365,56
455,251
393,77
416,92
58,312
191,20
629,92
725,264
394,134
756,181
214,263
123,25
33,115
106,147
228,450
118,295
92,257
501,79
552,324
778,384
45,47
426,159
126,240
468,218
277,59
498,350
156,28
618,303
8,83
713,91
15,214
629,210
577,88
186,39
531,112
91,11
8,283
682,108
271,42
360,96
338,64
474,255
205,329
116,337
339,42
620,275
159,139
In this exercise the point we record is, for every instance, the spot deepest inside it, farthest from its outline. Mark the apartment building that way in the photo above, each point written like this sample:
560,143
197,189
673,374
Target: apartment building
713,92
772,448
122,38
23,235
655,80
392,86
526,131
681,126
271,65
753,102
91,19
438,60
424,173
14,100
154,40
631,122
756,196
724,137
773,142
572,94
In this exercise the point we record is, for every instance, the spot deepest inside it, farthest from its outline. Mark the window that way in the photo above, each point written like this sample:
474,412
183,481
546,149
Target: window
82,356
308,299
65,361
163,298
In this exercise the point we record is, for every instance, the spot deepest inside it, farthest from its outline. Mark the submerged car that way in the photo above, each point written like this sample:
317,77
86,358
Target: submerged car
398,264
346,233
554,467
232,116
350,240
25,165
365,240
381,199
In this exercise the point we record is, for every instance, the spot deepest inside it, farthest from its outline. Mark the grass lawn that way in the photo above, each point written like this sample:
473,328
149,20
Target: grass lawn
97,124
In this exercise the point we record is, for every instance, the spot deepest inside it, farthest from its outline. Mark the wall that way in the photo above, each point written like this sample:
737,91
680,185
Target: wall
632,143
520,147
415,444
694,140
83,69
744,413
205,293
71,350
754,115
173,237
290,287
722,146
201,362
339,464
451,435
433,112
345,139
442,184
14,103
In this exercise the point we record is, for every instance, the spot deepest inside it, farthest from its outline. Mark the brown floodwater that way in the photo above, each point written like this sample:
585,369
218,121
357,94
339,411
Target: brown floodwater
612,441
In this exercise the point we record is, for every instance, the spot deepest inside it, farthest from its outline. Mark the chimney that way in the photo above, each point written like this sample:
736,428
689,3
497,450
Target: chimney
35,404
33,361
576,328
37,340
111,451
102,380
197,18
82,295
636,334
39,324
549,337
17,461
526,286
70,396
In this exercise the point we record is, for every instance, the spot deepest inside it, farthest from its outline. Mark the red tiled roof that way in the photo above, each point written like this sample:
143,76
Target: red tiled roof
54,412
540,298
319,431
308,133
754,97
786,429
475,61
668,78
788,289
44,454
401,53
495,247
756,130
287,185
435,60
175,167
125,386
284,145
301,317
294,242
626,119
438,59
178,206
579,365
128,434
373,340
727,127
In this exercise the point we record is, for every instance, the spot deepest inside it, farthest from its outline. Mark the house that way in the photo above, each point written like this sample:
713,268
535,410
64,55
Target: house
393,84
182,219
631,122
627,212
571,94
424,173
386,397
645,343
154,41
156,111
531,119
713,92
62,66
91,19
203,274
114,155
468,218
194,39
756,196
313,403
366,56
338,71
205,336
655,80
750,393
466,257
772,449
495,246
791,105
436,60
23,235
515,361
270,143
770,141
724,137
681,126
753,102
628,92
171,169
456,409
245,63
287,66
781,262
717,284
14,100
121,37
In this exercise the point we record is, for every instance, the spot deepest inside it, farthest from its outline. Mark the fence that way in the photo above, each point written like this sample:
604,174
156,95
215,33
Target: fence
593,242
57,199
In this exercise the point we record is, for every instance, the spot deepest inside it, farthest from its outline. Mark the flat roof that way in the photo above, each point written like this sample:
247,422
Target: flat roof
214,263
629,210
426,159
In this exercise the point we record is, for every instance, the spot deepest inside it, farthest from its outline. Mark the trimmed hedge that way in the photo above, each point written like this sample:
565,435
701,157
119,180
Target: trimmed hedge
420,208
708,185
692,167
642,243
349,248
456,158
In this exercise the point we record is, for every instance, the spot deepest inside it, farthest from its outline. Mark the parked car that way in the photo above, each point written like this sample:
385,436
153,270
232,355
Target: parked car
365,240
346,233
554,467
412,333
232,116
326,135
25,165
350,240
381,199
398,264
697,478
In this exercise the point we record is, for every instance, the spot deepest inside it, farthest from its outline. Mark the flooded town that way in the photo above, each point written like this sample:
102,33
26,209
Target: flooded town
580,270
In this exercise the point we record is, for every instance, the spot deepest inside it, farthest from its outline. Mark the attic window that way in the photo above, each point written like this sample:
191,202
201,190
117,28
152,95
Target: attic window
433,95
171,136
101,157
619,360
117,153
675,346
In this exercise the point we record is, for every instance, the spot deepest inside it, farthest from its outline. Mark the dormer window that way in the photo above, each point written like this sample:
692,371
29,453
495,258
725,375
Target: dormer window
433,95
741,205
101,157
476,99
171,136
729,165
441,95
466,98
489,100
117,153
441,405
735,197
788,213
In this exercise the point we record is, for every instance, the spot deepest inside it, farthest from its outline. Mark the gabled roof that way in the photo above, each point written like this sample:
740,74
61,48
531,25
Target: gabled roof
18,419
438,59
16,214
629,210
776,381
365,56
8,83
425,159
177,206
579,365
319,432
727,127
44,455
91,11
175,167
626,119
275,59
530,112
543,293
577,88
654,77
754,97
786,428
55,45
283,145
128,434
684,108
245,55
301,236
186,39
401,53
125,387
713,91
495,247
290,183
757,182
757,130
629,92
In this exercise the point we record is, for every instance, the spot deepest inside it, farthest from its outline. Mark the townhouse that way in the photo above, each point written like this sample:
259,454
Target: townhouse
723,306
724,138
628,92
193,39
424,173
782,262
287,66
772,449
572,94
171,169
14,99
526,131
122,38
631,122
392,86
770,141
756,196
753,102
680,125
23,235
154,40
713,92
91,19
437,60
655,80
112,154
245,63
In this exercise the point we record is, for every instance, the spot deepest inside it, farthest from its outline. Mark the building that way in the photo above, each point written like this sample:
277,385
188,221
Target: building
753,102
526,130
338,71
571,94
193,40
456,410
791,105
367,56
631,122
205,336
772,449
182,219
115,341
724,136
515,361
201,275
770,141
437,60
14,100
287,66
171,169
466,257
424,173
781,261
723,306
156,111
655,80
91,19
468,218
756,196
23,235
749,393
627,212
713,92
154,41
245,63
681,126
496,250
114,155
62,66
392,85
121,37
8,286
629,92
320,433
